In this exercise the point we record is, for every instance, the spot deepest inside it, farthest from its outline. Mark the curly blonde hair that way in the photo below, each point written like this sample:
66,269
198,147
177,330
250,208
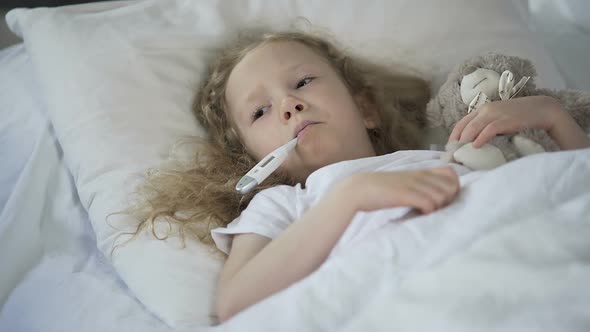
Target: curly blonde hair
203,196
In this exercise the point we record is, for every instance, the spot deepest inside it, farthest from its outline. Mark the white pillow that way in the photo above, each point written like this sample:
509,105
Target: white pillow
119,77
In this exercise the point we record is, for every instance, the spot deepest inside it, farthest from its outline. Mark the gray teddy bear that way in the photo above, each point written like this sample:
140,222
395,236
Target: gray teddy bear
491,77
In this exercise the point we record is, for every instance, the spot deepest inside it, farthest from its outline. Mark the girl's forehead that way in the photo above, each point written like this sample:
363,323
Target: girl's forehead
281,53
268,61
276,57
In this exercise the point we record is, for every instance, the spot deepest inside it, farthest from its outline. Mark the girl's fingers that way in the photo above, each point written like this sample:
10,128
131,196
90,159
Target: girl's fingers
439,194
459,126
498,127
473,129
422,200
425,190
446,171
445,188
447,177
489,132
438,189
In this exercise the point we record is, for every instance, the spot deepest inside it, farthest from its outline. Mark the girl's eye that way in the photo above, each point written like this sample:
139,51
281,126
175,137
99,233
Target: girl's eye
259,113
304,82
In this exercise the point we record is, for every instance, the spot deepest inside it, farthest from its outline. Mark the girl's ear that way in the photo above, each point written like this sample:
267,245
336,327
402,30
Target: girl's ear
368,110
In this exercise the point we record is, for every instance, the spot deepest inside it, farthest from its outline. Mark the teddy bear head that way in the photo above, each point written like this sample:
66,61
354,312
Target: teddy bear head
478,74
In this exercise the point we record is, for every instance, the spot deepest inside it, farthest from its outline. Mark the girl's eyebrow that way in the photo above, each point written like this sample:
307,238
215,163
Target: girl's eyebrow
295,67
253,95
303,66
292,68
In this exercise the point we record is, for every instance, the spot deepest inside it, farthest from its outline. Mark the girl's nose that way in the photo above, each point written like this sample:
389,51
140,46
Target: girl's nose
290,106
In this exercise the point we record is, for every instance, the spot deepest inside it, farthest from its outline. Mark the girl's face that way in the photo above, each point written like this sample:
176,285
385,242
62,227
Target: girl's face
281,90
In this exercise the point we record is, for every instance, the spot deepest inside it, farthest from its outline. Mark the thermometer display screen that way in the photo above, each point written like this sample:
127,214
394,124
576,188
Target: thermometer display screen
267,161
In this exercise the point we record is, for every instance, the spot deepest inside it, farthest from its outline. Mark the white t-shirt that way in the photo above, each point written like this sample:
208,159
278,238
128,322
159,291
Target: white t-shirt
272,210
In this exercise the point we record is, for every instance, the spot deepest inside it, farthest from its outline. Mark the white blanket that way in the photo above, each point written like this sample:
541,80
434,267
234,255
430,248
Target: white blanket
511,254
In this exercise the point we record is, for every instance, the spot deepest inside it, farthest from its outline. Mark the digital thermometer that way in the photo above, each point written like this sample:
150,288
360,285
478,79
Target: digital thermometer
265,168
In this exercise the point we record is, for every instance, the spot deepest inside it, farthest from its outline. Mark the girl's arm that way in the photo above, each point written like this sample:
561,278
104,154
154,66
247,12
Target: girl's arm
511,116
257,267
566,132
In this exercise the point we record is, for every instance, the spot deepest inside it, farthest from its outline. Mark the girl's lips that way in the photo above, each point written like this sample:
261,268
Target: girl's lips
303,131
302,126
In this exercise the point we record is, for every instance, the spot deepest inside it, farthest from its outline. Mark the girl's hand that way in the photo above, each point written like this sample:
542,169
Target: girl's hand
426,190
506,117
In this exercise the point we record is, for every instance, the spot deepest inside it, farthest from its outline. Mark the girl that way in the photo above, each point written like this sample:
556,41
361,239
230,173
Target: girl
349,117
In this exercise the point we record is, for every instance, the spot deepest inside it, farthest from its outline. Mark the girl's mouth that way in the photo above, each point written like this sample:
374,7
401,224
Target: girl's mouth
301,128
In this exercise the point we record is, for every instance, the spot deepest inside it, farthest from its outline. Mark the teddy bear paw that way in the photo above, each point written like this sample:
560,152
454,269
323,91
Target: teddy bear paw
485,157
525,146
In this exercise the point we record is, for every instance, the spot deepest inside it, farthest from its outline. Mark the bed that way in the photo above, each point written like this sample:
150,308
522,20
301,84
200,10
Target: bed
98,93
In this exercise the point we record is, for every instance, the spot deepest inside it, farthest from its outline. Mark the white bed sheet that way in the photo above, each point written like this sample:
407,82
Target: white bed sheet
20,124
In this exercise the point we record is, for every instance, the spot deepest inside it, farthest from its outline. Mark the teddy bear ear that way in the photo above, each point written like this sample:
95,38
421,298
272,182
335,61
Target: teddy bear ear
470,68
527,68
520,67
